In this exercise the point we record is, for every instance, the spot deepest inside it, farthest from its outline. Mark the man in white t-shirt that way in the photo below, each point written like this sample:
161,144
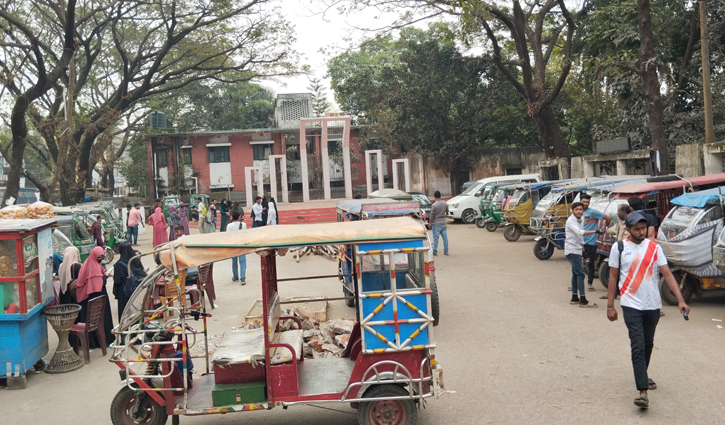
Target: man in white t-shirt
238,273
635,273
257,211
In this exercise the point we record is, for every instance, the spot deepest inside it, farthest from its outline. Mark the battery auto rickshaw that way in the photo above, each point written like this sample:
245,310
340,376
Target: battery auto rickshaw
656,196
520,207
687,236
387,372
373,209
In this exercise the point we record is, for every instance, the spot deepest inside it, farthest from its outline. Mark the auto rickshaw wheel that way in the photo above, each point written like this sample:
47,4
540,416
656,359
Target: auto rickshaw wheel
543,249
434,301
468,216
512,233
151,412
480,222
350,302
491,226
108,255
686,289
387,412
604,273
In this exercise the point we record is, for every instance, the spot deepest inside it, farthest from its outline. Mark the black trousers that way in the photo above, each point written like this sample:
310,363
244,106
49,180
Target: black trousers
590,252
641,325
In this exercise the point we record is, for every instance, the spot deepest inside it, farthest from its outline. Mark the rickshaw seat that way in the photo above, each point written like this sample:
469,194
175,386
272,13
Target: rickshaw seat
240,346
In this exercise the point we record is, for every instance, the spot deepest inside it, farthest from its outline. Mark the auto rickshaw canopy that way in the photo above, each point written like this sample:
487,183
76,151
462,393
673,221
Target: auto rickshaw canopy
195,250
700,199
378,206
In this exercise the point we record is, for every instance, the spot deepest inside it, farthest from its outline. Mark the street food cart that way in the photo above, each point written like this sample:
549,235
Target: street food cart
26,285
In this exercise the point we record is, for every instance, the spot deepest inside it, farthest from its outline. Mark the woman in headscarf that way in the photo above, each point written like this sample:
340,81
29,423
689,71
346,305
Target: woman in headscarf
91,284
68,272
202,217
272,212
174,220
158,220
120,274
183,217
211,217
224,211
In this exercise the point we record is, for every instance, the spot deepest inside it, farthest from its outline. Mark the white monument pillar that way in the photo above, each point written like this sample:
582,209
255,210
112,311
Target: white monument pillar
303,163
406,173
368,169
273,176
248,183
325,162
346,158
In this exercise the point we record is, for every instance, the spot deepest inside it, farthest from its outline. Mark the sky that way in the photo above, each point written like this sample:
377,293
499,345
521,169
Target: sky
317,31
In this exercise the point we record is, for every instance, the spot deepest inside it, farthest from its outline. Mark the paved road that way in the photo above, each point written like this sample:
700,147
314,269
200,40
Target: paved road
513,350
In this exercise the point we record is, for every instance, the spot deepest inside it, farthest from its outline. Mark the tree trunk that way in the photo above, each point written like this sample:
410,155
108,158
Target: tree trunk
651,85
552,138
453,177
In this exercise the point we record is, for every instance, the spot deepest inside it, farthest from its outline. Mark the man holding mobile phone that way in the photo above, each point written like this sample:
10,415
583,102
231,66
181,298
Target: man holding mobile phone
633,271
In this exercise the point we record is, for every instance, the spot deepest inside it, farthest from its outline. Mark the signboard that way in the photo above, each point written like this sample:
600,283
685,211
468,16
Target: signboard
622,144
45,269
30,250
391,207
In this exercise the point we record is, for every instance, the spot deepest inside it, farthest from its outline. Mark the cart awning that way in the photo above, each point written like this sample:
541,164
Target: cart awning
195,250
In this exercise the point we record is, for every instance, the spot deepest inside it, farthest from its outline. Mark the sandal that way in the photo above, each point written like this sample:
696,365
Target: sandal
588,305
642,402
651,384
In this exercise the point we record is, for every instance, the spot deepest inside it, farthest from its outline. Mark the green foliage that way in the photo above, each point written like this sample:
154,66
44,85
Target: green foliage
412,94
320,104
136,167
219,106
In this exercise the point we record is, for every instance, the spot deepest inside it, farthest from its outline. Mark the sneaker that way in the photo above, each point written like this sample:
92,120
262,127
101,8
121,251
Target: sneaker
234,279
591,287
244,282
445,253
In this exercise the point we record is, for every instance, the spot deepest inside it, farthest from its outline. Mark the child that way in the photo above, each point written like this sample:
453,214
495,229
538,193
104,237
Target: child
179,231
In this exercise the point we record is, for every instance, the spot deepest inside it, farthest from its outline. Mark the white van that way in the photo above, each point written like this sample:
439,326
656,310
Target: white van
465,207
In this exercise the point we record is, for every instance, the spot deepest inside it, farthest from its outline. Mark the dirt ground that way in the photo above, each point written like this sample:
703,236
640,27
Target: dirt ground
512,348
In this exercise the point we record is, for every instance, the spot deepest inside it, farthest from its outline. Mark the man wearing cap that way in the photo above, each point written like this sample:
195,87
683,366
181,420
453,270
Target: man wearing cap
573,249
634,274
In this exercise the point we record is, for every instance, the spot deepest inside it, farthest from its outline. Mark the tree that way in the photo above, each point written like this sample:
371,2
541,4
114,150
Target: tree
219,106
31,67
320,104
139,50
412,96
136,167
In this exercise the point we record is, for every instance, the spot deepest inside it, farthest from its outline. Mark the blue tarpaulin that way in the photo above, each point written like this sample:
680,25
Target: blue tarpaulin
699,199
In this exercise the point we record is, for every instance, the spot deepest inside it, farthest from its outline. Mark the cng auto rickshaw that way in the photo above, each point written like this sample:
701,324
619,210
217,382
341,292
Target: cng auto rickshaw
492,216
687,236
656,196
373,209
520,207
169,201
387,372
74,229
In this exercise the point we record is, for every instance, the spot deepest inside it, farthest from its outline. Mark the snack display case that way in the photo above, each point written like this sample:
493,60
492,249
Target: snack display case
26,286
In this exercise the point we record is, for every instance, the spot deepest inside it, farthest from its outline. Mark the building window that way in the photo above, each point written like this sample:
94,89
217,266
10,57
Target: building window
162,159
186,156
262,152
218,154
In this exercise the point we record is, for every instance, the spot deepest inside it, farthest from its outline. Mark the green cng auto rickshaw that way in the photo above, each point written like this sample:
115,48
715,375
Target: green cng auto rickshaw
493,215
74,230
170,201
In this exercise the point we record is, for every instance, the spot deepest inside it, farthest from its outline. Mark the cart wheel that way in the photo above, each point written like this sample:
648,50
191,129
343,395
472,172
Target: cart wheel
434,301
468,216
39,366
480,223
512,233
686,289
109,254
151,413
543,249
491,226
604,273
387,412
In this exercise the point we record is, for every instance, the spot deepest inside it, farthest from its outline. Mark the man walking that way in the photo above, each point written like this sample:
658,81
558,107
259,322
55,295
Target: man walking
575,234
239,273
134,219
637,205
257,210
591,219
634,274
437,221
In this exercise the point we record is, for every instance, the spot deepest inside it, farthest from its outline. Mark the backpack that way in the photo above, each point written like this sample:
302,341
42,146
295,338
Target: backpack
131,282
